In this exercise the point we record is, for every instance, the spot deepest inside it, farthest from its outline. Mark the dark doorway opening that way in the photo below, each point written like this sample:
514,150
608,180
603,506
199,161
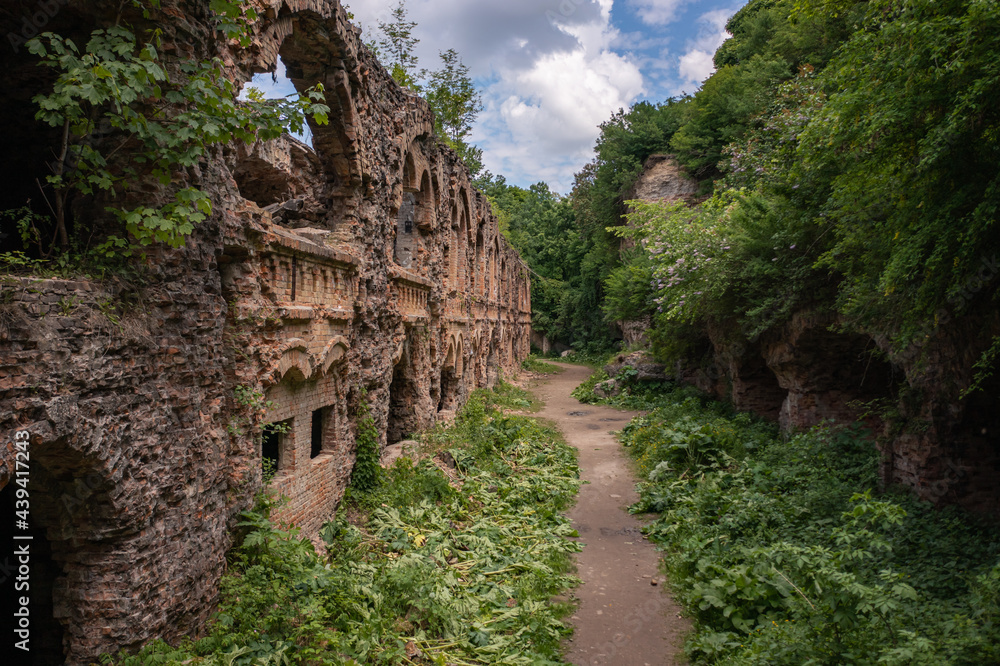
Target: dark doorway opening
449,389
403,403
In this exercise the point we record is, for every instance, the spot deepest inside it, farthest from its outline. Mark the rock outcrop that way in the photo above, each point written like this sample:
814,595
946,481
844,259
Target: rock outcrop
933,440
811,370
663,179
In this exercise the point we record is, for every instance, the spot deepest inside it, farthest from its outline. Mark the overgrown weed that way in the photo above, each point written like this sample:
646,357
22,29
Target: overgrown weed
431,570
784,553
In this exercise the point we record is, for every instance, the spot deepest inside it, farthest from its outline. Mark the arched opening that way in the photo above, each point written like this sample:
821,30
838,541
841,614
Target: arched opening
277,85
477,361
81,523
414,217
451,374
310,58
404,397
827,375
755,388
426,207
449,390
406,236
33,143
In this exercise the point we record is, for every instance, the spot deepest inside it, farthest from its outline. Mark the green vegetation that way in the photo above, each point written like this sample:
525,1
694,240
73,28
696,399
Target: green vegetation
867,187
564,239
534,364
541,226
450,91
849,153
434,565
367,474
782,554
160,125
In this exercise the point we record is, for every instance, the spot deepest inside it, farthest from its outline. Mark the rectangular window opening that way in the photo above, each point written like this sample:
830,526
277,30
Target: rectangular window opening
272,447
317,433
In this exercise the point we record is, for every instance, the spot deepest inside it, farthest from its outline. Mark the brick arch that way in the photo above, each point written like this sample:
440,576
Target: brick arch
454,357
426,210
411,181
313,52
295,364
413,209
335,352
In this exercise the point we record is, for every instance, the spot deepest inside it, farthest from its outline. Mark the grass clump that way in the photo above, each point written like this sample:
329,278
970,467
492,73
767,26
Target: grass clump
435,566
783,552
534,363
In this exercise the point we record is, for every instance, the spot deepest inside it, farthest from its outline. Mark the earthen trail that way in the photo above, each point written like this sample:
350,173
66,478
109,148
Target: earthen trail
623,618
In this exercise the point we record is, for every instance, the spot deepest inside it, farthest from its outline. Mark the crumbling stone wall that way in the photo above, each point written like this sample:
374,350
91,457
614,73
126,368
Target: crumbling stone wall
366,269
932,439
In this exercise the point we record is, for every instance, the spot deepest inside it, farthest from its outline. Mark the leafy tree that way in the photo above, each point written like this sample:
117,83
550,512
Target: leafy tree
598,202
456,103
126,125
454,98
449,90
910,145
630,295
866,184
397,45
721,110
626,141
541,225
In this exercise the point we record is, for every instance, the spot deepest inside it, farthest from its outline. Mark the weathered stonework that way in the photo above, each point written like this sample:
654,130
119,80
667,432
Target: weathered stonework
367,269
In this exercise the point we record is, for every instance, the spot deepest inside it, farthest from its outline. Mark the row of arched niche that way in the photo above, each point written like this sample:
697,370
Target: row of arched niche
416,219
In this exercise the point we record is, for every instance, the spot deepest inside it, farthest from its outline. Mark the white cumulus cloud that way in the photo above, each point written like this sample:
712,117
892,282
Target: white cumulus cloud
657,12
549,72
696,64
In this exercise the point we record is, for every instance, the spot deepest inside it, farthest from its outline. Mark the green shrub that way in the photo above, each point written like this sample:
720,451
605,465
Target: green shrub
367,474
782,553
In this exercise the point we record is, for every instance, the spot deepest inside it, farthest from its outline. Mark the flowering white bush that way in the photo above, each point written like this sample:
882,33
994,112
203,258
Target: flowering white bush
687,244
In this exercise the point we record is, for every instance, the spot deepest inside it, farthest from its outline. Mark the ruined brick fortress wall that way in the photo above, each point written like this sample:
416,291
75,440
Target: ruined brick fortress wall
368,269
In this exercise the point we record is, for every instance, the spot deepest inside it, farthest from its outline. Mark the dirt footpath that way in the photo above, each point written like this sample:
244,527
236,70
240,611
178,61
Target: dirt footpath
625,616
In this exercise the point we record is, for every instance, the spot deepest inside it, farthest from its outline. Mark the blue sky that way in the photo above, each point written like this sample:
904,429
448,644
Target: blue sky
552,71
